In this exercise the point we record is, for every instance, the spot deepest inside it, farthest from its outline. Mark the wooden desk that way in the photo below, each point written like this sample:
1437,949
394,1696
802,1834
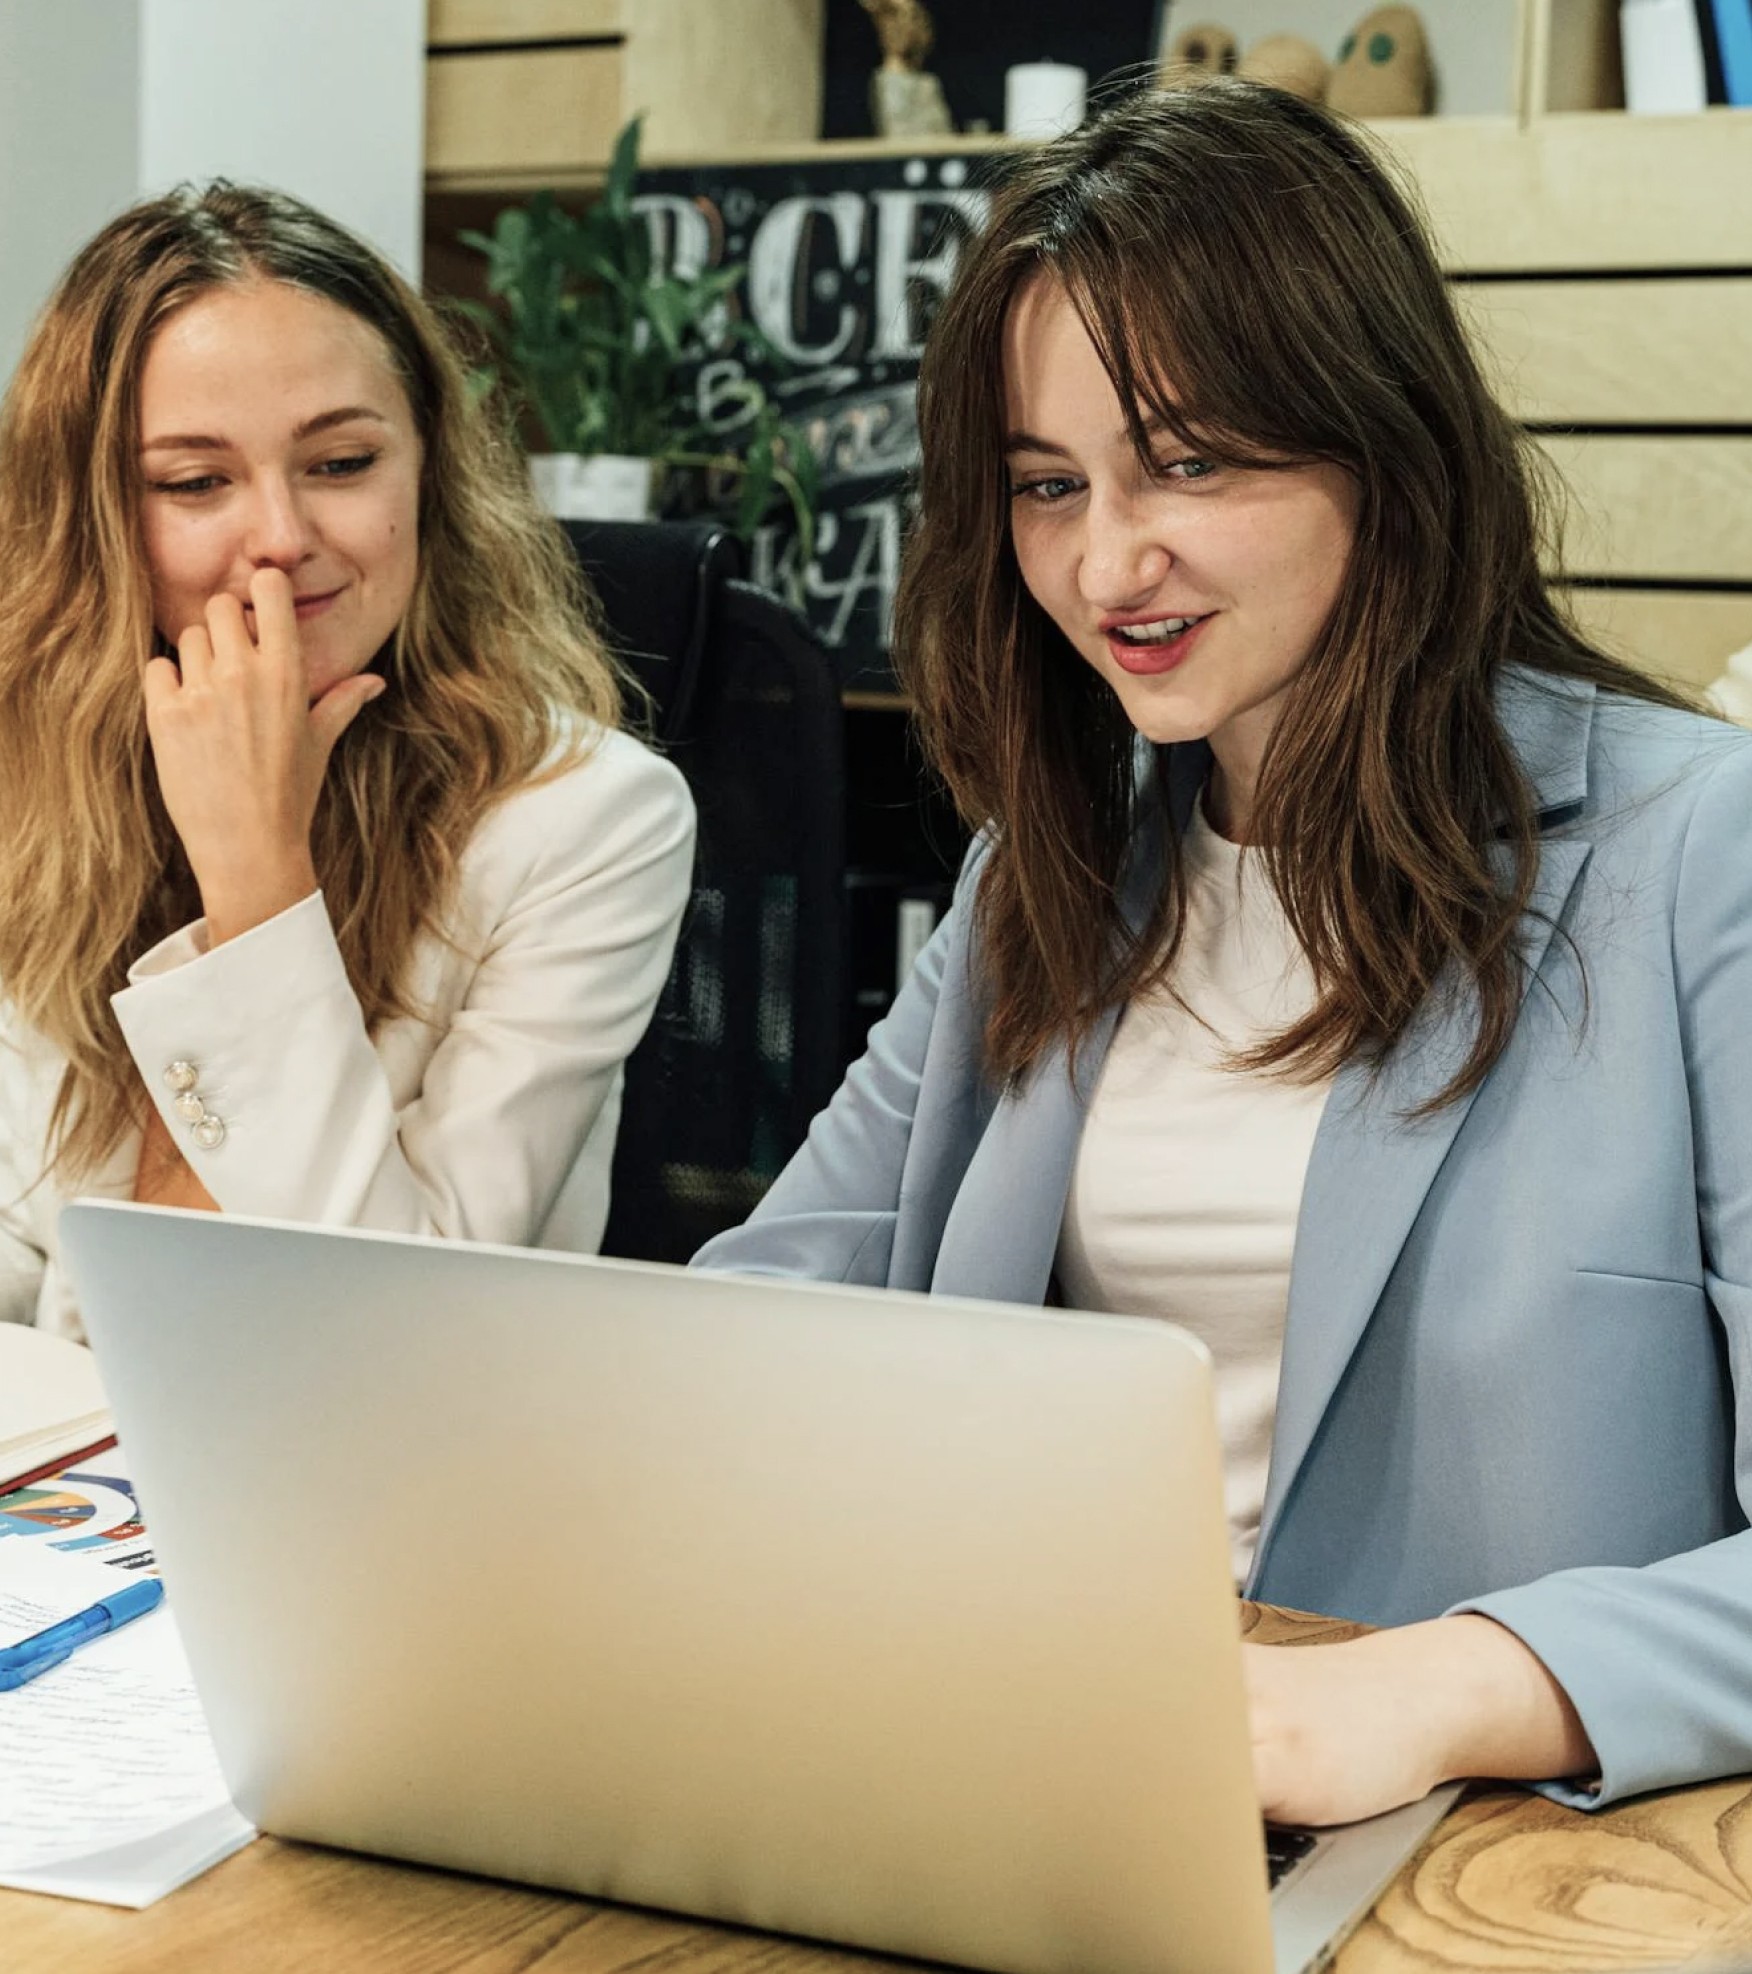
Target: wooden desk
1509,1882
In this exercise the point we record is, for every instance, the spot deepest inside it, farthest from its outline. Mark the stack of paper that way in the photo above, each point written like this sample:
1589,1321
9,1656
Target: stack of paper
52,1407
109,1786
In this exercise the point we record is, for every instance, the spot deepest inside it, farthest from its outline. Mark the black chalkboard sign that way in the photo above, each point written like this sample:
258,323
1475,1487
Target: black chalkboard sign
847,260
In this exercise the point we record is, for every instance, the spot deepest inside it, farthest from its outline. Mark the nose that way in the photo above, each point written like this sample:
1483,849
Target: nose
1125,556
279,534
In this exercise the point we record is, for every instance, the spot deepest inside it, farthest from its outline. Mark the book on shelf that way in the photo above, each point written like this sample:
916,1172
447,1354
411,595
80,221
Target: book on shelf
1728,50
1664,67
52,1407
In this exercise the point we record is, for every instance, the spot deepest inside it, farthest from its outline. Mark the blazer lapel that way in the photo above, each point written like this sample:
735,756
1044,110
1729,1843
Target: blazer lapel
1373,1164
1001,1236
1002,1232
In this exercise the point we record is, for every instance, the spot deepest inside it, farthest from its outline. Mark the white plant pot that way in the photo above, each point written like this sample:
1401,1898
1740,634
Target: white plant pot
603,486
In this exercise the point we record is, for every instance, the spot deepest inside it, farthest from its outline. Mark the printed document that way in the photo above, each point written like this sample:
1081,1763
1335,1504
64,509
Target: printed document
109,1786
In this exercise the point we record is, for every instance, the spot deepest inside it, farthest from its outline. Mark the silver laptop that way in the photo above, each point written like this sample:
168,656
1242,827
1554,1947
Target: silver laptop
899,1621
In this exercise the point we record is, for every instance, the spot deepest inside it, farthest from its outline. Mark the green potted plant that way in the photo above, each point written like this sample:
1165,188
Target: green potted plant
599,347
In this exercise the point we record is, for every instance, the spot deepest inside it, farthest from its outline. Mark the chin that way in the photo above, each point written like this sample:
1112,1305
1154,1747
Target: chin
1165,721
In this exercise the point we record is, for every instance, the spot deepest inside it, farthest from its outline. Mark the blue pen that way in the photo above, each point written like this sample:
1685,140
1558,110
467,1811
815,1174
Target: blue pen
48,1648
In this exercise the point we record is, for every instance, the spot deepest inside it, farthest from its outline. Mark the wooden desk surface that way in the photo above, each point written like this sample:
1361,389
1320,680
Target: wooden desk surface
1509,1883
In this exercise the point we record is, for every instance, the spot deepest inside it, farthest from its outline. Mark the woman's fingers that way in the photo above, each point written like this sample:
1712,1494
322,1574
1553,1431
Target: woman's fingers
240,754
194,656
340,706
276,623
163,683
228,632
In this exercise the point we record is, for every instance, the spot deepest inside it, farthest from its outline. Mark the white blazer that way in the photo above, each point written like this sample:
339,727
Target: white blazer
491,1118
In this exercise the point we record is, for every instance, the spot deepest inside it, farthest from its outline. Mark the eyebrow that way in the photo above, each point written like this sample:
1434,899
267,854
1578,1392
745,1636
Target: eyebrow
1027,442
345,414
1030,442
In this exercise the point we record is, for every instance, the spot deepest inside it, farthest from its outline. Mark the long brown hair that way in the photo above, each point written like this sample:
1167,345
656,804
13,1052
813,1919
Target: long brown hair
496,672
1254,280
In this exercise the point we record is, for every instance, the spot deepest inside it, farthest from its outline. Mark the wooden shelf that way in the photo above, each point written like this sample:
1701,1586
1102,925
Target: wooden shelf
1584,191
535,92
1590,191
1603,261
793,151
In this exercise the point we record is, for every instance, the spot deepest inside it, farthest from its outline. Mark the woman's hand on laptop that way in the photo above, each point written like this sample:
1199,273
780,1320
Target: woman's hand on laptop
1345,1731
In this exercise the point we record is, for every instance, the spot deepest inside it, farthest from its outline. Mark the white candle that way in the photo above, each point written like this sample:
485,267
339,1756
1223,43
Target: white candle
1043,99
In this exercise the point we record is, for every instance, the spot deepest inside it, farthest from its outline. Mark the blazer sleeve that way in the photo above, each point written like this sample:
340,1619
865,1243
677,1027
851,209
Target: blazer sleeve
1658,1660
831,1215
569,902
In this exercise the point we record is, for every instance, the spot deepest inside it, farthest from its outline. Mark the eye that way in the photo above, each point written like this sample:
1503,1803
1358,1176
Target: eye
347,467
1185,470
1048,488
200,484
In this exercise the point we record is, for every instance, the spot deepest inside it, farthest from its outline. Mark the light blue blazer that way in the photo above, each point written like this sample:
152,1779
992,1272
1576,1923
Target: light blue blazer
1519,1329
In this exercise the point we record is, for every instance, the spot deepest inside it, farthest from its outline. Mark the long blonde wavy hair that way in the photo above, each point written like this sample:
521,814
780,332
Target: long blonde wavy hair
497,674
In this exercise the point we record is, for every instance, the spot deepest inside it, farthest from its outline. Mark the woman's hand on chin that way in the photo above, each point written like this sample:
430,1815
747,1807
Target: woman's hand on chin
241,754
1345,1731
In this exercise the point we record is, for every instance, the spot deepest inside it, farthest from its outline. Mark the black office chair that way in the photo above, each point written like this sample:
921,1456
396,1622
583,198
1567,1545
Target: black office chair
746,1044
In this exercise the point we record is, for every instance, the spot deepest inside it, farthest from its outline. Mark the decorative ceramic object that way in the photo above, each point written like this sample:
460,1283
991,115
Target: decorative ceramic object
905,104
1202,50
905,101
1384,67
1287,62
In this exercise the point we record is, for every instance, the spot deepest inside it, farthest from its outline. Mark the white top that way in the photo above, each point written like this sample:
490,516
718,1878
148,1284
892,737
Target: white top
491,1119
1188,1180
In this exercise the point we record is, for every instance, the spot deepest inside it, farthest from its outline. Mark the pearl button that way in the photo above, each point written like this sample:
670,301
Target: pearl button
181,1076
209,1134
190,1108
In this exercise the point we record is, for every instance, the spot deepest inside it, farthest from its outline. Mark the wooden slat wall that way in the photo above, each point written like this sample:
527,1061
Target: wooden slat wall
1684,635
1596,193
525,93
450,21
1615,320
552,111
1674,508
1617,352
713,77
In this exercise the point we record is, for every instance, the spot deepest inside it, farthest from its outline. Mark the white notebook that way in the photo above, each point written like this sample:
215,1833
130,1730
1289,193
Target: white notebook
52,1407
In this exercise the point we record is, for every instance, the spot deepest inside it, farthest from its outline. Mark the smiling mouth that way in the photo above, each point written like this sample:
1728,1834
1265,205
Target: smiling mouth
1162,631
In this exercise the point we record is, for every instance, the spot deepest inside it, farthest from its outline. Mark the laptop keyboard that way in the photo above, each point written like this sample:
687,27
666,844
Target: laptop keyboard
1284,1850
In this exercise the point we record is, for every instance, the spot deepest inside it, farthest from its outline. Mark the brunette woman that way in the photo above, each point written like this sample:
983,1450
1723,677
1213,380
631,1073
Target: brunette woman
1352,965
329,889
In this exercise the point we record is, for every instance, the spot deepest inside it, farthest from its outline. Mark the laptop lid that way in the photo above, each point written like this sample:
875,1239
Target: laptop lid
894,1620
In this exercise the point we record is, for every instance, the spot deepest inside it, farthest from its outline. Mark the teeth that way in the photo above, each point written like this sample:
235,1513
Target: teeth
1157,633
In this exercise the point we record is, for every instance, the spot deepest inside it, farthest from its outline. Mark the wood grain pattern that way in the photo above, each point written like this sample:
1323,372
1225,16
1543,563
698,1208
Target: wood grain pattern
451,21
1573,56
1685,635
1511,1881
1599,192
1656,506
736,71
1673,352
546,112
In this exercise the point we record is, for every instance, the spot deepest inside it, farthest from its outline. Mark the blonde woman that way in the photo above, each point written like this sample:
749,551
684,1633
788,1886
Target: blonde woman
329,889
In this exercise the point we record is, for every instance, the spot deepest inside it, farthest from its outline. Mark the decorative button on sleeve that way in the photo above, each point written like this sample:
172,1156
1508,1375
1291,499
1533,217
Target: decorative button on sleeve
207,1129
